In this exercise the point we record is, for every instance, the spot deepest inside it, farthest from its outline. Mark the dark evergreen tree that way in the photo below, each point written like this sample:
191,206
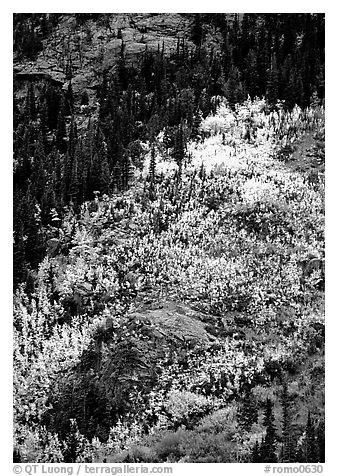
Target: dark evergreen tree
84,98
233,88
69,100
66,171
74,443
152,166
72,138
197,29
310,445
19,261
289,442
38,176
256,453
53,102
30,103
269,443
273,82
105,173
320,437
75,176
179,149
61,139
251,73
248,412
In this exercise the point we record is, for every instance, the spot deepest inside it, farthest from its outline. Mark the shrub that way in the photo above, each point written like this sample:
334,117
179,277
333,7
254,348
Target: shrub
186,408
220,421
170,446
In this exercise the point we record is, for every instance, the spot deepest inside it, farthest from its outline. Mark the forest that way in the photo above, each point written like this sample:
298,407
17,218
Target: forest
168,250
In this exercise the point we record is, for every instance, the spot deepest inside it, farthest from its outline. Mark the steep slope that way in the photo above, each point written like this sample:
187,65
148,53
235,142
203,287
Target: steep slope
169,314
86,50
169,238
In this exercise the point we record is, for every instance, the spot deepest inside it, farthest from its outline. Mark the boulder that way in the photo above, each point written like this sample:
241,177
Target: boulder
176,322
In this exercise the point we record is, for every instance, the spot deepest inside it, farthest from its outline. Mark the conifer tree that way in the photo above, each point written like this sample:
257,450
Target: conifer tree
251,73
288,437
69,68
38,177
152,165
53,102
310,446
30,102
272,91
69,100
197,119
152,172
122,72
19,261
197,29
60,138
66,169
95,174
179,147
233,88
72,138
75,176
34,246
320,438
105,175
269,443
74,443
248,412
256,453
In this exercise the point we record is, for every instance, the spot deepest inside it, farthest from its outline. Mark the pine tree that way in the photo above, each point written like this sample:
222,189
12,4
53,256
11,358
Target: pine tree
75,176
256,453
95,174
72,138
248,412
127,171
43,123
19,262
202,173
84,101
268,447
34,245
320,438
152,165
122,71
105,175
74,443
251,73
310,447
197,30
30,103
272,91
262,59
69,68
152,172
197,119
66,171
179,148
38,177
69,100
288,437
233,88
53,102
16,456
61,129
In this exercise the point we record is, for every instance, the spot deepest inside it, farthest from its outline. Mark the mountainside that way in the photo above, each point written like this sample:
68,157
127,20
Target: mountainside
169,239
92,46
